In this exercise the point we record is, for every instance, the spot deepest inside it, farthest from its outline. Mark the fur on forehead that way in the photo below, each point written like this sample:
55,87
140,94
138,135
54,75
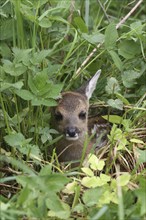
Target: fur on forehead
73,100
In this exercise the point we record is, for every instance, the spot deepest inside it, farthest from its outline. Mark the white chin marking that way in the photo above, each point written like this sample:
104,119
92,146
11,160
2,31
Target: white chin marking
76,137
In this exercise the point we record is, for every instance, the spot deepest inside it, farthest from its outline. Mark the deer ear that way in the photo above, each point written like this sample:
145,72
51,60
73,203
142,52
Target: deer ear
90,86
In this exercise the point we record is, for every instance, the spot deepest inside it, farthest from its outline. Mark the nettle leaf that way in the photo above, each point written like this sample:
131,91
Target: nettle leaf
54,91
38,57
137,27
57,208
46,134
111,36
91,196
6,29
116,59
81,24
129,78
45,22
21,55
41,101
93,38
6,85
28,13
51,183
16,139
46,170
5,50
115,103
124,179
14,69
38,84
40,79
25,94
32,85
112,86
129,49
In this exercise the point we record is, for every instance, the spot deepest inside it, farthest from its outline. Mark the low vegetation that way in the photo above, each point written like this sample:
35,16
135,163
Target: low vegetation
48,46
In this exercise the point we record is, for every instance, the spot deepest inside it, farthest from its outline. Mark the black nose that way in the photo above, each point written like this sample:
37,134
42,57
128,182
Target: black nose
71,131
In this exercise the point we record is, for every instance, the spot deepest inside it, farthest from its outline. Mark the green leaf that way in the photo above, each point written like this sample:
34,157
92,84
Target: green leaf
70,188
5,85
93,38
141,155
44,102
141,194
28,13
116,59
38,57
124,179
91,182
21,55
115,119
46,170
87,171
5,50
25,94
80,24
112,86
95,163
57,208
136,27
6,29
129,78
54,91
105,178
92,196
137,141
117,103
129,49
16,139
14,69
111,36
51,183
122,98
39,84
25,196
45,23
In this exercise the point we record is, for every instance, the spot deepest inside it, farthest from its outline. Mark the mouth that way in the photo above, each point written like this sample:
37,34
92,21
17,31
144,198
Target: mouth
74,138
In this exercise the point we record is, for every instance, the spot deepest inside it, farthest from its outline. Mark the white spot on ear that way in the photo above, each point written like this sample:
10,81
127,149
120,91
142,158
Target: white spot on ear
92,84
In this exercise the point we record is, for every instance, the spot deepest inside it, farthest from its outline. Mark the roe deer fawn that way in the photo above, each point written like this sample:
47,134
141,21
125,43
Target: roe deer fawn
70,118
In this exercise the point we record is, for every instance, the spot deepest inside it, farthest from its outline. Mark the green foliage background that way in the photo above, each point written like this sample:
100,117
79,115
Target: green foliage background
43,43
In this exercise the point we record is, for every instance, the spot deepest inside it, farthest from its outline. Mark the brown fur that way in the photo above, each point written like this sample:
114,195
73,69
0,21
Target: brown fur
70,118
70,105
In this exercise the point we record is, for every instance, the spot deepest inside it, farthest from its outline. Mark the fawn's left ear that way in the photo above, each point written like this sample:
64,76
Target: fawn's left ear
91,85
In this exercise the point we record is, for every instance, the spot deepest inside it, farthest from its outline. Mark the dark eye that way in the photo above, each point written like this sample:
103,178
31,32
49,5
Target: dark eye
58,116
82,115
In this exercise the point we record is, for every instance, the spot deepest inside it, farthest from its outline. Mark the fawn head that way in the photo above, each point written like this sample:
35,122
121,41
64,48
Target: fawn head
70,117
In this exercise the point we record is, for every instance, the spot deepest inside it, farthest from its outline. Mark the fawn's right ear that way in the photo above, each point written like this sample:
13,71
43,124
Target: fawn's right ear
90,86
